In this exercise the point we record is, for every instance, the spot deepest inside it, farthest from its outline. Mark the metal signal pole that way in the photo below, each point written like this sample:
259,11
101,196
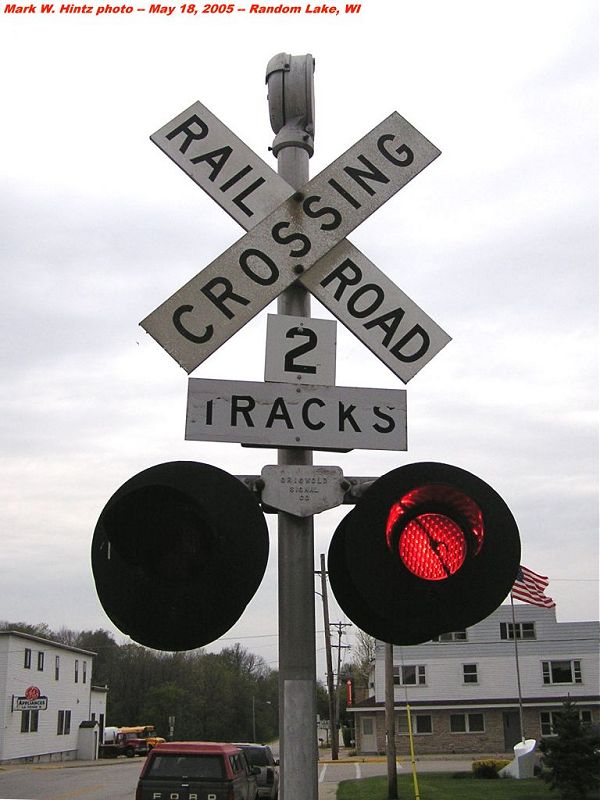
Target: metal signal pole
390,723
291,108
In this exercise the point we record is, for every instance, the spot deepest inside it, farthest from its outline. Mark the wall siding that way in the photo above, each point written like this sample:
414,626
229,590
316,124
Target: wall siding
62,694
496,660
496,691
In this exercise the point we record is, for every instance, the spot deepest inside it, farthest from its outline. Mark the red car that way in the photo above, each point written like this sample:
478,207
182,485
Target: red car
197,771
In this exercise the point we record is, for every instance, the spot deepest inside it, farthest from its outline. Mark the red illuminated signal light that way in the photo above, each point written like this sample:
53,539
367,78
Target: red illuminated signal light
432,546
429,548
433,527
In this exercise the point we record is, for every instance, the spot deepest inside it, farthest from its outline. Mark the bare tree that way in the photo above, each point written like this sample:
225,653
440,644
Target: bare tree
364,658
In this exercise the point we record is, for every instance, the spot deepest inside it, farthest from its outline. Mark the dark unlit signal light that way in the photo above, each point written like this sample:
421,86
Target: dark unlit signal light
178,552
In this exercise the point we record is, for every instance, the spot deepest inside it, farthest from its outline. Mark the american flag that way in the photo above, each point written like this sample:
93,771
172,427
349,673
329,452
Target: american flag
529,586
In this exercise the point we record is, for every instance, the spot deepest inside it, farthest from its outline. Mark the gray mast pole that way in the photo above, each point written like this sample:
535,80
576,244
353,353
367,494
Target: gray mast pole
291,108
390,723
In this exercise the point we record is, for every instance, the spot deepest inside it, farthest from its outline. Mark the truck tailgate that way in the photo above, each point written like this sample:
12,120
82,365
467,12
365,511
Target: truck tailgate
156,789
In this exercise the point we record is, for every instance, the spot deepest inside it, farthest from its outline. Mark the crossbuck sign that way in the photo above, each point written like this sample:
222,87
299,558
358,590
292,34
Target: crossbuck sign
295,235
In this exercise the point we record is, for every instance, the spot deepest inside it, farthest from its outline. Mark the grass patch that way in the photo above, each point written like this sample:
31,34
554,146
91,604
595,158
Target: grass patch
445,786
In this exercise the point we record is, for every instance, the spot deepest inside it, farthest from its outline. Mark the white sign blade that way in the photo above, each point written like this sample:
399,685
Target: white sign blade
217,302
369,304
284,415
221,164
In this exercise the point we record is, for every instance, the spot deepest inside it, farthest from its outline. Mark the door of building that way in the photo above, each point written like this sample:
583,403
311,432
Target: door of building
368,738
512,729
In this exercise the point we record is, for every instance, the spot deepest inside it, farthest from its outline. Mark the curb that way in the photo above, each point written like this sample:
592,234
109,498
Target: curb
73,764
357,760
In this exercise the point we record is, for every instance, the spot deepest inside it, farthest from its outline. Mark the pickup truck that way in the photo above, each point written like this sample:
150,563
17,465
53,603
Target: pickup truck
121,744
197,771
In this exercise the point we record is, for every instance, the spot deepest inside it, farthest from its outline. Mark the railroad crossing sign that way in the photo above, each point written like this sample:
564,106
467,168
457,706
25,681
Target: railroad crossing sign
293,234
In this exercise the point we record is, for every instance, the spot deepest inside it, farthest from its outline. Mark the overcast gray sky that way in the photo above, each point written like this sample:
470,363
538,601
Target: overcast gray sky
497,240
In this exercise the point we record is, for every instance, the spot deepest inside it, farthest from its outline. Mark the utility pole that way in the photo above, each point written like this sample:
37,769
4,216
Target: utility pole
340,626
330,690
291,109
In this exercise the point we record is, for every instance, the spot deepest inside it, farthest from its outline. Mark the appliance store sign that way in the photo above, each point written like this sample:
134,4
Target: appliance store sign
31,701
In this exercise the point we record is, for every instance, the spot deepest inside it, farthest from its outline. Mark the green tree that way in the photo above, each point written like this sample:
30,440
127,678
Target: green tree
161,702
40,629
133,671
222,696
102,643
572,756
322,700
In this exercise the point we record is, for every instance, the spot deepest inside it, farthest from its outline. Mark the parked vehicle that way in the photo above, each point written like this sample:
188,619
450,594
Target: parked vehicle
147,732
261,756
197,771
116,743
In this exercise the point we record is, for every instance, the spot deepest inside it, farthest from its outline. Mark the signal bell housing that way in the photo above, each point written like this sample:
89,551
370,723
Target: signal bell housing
178,552
428,549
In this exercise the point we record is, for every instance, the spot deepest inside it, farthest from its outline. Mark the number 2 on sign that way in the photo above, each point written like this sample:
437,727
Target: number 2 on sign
290,363
300,350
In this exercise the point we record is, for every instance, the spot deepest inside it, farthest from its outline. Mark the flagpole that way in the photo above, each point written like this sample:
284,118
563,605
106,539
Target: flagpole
512,605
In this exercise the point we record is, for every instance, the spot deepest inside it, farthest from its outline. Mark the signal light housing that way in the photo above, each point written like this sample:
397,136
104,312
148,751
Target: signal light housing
178,552
428,549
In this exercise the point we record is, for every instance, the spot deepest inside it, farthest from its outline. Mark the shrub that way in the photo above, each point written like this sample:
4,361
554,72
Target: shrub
488,768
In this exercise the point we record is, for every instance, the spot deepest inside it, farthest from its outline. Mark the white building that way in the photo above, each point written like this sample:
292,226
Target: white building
462,688
46,694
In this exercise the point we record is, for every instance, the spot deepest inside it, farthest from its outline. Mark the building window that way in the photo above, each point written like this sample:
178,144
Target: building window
76,670
41,661
421,723
470,673
453,636
523,630
585,717
27,659
466,723
84,672
63,726
561,671
413,675
29,721
548,721
56,667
